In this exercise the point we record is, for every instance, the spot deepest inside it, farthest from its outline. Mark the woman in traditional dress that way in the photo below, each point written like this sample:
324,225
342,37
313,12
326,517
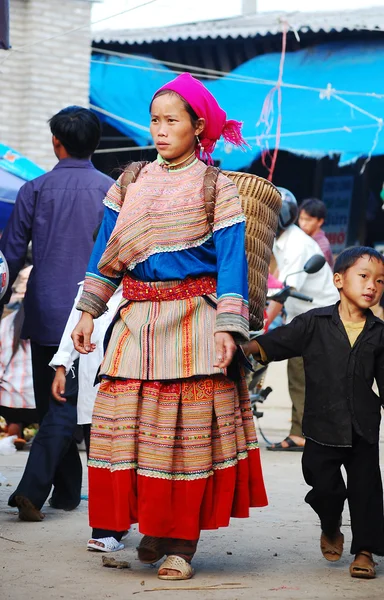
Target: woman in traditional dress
173,443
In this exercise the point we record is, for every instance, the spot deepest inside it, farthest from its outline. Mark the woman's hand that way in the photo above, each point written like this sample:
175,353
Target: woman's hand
81,335
58,385
225,349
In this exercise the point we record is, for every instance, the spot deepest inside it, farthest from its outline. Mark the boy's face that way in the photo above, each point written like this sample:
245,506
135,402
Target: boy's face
310,225
363,283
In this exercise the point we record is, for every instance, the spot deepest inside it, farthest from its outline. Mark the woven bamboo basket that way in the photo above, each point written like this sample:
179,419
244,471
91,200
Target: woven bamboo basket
261,203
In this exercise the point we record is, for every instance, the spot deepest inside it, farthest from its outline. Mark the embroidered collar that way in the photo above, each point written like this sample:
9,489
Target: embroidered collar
170,167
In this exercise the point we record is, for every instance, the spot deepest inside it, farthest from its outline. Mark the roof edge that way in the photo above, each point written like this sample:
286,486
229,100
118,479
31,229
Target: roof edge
259,24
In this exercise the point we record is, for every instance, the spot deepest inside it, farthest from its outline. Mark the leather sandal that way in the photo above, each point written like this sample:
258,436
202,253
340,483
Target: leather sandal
290,447
363,566
150,550
332,549
176,563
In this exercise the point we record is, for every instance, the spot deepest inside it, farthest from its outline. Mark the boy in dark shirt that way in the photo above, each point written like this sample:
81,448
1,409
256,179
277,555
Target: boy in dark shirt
343,351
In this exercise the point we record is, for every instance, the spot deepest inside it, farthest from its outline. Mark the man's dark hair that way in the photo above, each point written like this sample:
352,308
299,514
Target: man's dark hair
314,208
350,256
78,129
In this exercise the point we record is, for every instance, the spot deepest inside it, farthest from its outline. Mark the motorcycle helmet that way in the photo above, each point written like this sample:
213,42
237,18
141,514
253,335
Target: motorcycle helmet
289,210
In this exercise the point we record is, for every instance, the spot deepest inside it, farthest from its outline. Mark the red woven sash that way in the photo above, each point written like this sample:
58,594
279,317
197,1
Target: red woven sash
158,291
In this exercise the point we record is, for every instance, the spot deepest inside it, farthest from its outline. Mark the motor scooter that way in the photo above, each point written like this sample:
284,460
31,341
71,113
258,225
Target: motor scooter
259,394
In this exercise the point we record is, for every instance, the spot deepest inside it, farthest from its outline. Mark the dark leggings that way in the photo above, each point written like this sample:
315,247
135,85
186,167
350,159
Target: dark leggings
184,548
97,534
87,437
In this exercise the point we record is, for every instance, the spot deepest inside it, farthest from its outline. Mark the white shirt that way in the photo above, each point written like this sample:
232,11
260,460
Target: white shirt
88,363
292,250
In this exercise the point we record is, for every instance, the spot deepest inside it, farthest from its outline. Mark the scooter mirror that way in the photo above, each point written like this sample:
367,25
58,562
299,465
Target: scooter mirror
314,264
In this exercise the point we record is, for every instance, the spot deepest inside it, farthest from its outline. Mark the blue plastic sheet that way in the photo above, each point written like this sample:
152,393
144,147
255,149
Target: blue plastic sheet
14,162
15,170
357,67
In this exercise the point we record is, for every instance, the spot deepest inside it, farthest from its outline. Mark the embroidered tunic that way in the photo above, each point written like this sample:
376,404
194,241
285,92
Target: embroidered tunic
173,443
160,233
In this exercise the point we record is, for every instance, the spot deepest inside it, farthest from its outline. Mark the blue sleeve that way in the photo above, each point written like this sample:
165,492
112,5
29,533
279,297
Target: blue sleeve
232,269
107,226
17,235
98,288
232,282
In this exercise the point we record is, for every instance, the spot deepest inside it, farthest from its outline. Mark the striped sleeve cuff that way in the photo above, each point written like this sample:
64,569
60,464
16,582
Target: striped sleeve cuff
97,291
233,317
92,304
102,287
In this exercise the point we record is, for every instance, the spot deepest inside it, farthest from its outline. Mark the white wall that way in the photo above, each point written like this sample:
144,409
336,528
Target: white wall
40,79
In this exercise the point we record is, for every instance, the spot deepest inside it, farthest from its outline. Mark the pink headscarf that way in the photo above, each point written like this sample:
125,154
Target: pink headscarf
206,107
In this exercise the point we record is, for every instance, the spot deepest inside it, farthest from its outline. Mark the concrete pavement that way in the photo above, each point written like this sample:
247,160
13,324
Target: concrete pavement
273,555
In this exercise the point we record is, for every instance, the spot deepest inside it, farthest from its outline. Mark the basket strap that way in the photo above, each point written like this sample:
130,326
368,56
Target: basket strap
209,186
130,174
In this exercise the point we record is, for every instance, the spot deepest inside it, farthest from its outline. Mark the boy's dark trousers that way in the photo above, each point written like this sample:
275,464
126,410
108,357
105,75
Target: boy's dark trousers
54,458
364,490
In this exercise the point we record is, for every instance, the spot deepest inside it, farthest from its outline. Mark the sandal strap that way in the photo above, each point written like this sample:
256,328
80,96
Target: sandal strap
177,564
335,545
291,445
365,553
108,543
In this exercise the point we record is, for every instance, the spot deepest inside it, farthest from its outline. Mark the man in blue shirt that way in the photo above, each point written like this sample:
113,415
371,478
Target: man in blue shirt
58,213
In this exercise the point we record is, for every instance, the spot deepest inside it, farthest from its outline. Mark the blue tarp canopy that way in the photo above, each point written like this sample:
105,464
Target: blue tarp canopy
312,125
15,170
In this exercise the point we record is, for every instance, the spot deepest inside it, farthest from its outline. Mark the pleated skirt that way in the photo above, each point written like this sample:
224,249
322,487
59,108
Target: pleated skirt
176,457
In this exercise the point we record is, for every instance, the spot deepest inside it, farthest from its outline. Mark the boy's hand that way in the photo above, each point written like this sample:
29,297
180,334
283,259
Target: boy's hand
58,385
81,335
225,349
253,348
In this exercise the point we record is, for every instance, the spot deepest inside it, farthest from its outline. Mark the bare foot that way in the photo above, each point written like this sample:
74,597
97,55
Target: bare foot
97,543
175,567
169,572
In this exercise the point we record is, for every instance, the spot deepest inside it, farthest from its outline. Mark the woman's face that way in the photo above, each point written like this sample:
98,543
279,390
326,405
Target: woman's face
171,128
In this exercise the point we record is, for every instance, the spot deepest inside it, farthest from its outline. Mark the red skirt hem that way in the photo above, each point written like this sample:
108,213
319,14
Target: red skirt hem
175,508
